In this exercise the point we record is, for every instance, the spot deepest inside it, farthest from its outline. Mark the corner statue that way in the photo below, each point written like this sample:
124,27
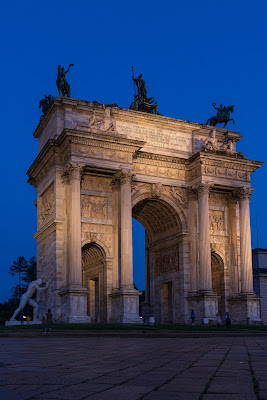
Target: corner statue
26,298
141,101
223,115
62,83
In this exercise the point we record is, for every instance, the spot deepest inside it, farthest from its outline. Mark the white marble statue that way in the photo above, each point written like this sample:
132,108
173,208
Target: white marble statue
211,142
26,298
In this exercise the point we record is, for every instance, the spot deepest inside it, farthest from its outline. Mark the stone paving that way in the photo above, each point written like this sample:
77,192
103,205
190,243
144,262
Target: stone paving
218,368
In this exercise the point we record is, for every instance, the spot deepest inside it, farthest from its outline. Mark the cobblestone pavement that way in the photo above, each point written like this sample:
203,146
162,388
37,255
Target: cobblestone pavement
133,368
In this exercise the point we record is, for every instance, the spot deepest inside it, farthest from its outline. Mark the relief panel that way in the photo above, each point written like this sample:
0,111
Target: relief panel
94,207
46,204
166,260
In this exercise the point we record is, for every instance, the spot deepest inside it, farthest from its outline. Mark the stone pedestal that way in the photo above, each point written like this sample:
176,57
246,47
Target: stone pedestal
74,305
126,306
244,309
205,307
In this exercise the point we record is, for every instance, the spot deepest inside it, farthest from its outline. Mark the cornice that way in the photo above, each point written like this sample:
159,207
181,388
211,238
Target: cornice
243,164
52,223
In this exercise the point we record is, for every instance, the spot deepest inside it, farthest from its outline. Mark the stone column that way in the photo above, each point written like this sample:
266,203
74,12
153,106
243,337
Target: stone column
74,296
232,238
116,239
205,282
75,254
245,241
192,226
126,300
125,178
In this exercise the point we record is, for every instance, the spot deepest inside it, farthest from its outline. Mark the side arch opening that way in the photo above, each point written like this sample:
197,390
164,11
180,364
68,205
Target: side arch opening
94,277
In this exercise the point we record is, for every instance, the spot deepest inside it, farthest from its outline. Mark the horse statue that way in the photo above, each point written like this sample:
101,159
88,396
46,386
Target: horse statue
61,82
223,115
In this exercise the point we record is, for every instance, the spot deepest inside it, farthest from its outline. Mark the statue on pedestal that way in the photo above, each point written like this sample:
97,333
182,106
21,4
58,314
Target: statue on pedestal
62,83
27,298
141,101
223,115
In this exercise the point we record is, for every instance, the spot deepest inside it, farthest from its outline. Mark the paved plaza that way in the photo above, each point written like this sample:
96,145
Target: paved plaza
95,368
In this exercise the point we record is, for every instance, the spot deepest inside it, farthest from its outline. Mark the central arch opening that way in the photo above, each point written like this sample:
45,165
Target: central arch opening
160,258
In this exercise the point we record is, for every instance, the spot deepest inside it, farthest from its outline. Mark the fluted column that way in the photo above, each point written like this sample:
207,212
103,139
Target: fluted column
73,171
205,282
125,179
245,241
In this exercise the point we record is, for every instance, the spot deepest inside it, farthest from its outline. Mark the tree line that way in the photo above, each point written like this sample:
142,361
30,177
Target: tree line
25,271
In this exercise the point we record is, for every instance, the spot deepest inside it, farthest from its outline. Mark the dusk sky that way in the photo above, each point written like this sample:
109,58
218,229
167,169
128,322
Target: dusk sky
190,53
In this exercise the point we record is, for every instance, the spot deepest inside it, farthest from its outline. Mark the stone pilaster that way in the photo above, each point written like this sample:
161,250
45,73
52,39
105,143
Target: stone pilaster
245,242
205,282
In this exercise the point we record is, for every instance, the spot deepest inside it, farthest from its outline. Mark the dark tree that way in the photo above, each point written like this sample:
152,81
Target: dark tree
19,269
26,273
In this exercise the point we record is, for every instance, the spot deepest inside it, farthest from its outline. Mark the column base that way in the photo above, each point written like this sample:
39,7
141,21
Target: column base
74,305
244,309
125,306
205,305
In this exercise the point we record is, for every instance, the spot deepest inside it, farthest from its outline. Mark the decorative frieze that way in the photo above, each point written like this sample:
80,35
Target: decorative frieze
97,228
98,152
95,183
153,170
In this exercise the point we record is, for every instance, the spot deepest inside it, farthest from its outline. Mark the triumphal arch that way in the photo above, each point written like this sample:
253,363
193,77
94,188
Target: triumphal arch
99,166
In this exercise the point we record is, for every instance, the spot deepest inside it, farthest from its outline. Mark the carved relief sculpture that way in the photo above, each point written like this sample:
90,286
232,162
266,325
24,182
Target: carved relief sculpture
93,207
46,204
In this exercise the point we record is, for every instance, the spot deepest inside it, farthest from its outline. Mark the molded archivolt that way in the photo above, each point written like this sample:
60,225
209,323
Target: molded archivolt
92,253
156,216
217,261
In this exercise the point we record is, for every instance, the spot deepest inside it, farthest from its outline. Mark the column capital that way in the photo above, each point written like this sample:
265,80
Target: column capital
191,194
244,193
73,170
233,198
203,188
123,177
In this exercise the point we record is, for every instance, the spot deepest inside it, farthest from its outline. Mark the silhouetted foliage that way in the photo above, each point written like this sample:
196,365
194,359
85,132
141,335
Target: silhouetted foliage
26,273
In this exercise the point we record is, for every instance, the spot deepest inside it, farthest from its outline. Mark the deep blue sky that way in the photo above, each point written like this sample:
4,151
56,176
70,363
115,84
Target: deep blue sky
190,53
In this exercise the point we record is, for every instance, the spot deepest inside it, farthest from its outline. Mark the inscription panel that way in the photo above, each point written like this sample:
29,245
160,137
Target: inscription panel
158,137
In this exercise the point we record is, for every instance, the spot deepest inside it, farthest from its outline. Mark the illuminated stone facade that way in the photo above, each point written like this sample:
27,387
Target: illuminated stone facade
99,166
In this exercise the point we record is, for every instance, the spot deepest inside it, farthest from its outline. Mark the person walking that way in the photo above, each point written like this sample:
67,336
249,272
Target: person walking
48,321
218,320
193,316
227,320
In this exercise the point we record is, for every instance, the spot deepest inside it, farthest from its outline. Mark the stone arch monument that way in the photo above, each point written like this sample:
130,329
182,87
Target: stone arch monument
97,167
